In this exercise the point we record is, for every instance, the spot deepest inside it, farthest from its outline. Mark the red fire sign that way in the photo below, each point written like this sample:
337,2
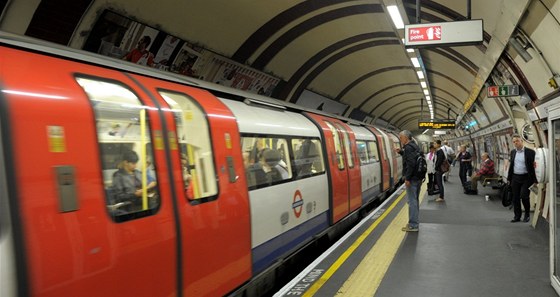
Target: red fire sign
424,33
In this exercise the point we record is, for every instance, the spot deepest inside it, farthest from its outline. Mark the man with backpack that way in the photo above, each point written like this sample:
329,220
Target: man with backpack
412,182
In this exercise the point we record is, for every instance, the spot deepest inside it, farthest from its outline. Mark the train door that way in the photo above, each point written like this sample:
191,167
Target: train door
211,188
397,158
348,138
73,237
385,162
554,190
391,155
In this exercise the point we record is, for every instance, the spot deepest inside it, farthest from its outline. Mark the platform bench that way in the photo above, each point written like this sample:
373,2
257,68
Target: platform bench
496,182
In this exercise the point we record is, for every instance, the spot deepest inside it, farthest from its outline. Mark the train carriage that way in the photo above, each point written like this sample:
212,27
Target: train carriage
113,170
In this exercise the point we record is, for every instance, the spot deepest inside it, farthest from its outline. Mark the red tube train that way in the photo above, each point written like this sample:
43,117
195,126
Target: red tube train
119,181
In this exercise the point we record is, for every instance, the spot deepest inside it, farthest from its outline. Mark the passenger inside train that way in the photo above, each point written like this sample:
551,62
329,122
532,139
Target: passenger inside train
127,184
266,160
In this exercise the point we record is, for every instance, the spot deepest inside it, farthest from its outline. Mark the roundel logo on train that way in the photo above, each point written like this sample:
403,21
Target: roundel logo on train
297,205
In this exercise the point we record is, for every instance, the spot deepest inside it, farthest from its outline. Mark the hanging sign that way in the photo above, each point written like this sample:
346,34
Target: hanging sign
447,33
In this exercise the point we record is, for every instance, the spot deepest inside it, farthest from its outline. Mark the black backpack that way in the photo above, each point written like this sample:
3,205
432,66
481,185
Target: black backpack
421,166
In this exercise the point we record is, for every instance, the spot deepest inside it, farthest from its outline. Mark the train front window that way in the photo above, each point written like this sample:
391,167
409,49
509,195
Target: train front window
193,135
123,134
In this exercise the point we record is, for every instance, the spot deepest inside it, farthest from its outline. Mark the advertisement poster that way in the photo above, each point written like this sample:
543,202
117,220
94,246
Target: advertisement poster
119,37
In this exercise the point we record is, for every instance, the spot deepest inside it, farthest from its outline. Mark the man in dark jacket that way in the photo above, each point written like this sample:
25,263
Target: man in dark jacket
521,176
410,153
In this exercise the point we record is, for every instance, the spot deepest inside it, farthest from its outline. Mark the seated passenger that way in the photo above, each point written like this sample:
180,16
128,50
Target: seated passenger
486,170
273,167
127,181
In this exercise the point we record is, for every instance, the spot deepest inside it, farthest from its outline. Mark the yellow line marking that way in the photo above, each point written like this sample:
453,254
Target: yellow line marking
327,275
384,254
367,277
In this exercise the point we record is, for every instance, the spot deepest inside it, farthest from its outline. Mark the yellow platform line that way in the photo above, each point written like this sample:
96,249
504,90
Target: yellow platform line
367,277
336,265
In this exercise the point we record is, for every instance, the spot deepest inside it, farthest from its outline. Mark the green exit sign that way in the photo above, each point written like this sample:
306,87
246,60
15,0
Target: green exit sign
503,91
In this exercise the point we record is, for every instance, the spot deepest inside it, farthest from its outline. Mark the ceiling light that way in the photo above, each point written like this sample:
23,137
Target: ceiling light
396,16
426,92
415,62
420,74
428,98
409,50
423,84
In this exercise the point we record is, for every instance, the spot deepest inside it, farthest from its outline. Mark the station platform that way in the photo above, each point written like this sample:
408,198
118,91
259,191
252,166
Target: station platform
466,246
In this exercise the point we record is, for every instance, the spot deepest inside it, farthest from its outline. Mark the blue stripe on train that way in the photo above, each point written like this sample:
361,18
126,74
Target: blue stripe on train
268,252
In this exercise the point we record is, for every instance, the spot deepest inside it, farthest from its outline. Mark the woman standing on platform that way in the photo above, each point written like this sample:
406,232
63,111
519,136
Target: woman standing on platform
440,157
430,161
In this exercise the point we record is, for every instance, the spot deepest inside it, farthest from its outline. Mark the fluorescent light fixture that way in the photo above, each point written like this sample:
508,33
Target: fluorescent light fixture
423,84
428,98
426,92
415,62
396,16
409,50
420,74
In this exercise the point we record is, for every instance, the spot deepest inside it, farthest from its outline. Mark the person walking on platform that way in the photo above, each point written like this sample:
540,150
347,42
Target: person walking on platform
464,158
412,183
486,170
521,176
440,157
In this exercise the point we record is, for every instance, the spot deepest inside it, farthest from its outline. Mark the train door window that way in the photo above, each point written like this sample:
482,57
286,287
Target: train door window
266,160
308,157
372,151
193,134
123,134
337,146
347,146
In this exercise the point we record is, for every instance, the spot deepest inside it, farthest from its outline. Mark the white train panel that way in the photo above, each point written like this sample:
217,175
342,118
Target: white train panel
276,122
276,209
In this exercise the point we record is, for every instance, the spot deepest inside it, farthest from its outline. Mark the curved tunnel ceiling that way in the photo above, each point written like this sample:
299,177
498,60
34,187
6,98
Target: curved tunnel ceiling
349,51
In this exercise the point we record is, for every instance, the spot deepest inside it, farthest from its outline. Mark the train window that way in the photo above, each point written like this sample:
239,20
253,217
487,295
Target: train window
362,152
308,157
337,146
197,158
396,145
123,134
372,151
266,160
